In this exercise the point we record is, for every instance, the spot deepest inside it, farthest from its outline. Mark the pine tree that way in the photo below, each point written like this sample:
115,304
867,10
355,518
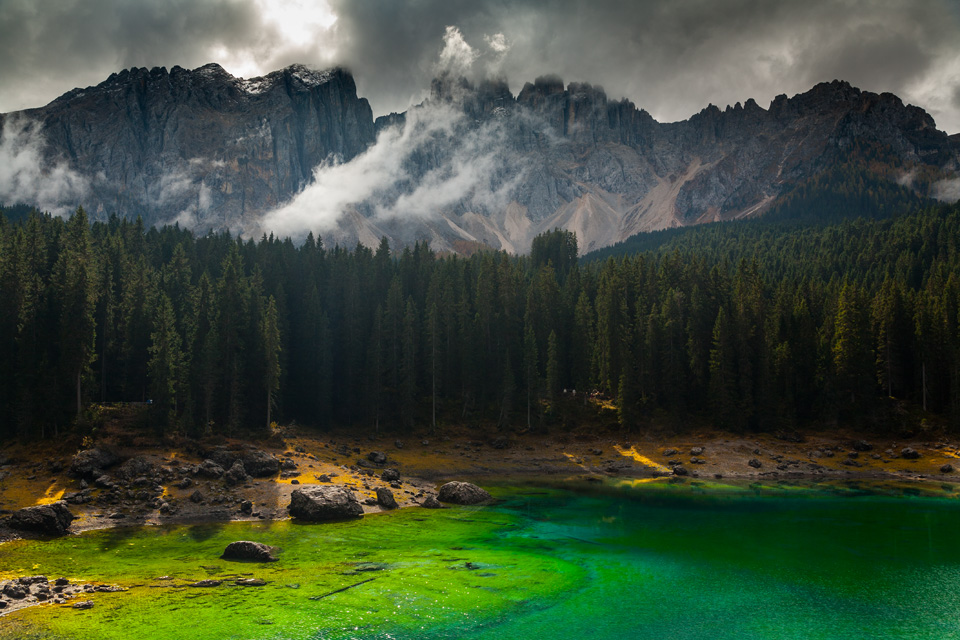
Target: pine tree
77,296
270,336
167,364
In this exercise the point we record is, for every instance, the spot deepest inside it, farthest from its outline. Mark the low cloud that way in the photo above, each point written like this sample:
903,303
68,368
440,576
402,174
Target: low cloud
946,190
27,177
468,172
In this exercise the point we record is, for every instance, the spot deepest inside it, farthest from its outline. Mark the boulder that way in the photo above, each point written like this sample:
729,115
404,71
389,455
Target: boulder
756,464
136,467
50,519
323,503
377,457
260,464
15,591
246,551
385,498
431,502
236,475
462,493
209,469
946,468
390,475
862,445
89,463
909,454
257,463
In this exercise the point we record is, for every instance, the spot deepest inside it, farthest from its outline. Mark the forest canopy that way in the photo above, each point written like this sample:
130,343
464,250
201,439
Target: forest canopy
750,326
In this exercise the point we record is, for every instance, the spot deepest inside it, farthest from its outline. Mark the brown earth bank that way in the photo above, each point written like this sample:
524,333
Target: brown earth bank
126,480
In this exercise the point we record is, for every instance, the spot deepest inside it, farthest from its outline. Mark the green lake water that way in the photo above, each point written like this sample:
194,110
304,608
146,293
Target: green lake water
650,561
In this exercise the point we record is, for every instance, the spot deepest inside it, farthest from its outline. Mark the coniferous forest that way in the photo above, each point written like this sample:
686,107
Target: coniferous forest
752,326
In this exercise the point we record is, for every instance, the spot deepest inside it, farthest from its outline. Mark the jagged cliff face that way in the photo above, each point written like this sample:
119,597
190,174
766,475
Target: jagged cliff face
214,151
201,146
607,170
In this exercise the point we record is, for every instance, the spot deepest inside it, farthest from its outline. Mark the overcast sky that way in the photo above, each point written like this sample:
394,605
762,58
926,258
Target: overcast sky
670,57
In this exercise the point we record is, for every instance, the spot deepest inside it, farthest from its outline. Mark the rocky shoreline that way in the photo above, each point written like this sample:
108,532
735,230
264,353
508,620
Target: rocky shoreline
125,484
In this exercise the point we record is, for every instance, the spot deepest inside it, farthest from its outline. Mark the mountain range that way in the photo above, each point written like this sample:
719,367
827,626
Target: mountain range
473,165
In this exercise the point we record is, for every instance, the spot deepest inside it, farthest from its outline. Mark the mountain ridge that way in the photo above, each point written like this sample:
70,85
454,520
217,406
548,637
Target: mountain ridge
209,150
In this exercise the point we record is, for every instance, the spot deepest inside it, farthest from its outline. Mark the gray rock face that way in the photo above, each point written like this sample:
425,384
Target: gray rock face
246,550
323,503
462,493
50,519
203,145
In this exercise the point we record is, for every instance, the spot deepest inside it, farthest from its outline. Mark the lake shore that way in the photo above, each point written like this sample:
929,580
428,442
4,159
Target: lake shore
32,474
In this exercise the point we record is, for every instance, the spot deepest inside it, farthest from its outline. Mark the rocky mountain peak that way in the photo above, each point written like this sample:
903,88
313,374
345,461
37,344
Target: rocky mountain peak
211,150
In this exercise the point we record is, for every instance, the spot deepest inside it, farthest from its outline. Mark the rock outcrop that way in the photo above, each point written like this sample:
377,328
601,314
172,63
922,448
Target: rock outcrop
324,503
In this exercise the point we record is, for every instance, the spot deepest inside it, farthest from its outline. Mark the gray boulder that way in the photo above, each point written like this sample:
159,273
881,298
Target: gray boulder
431,502
462,493
236,475
323,503
385,498
246,551
50,519
377,457
209,469
390,475
909,454
136,467
89,463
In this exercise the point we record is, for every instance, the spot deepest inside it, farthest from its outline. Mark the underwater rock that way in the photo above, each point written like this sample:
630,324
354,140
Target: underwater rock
245,550
462,493
319,504
51,519
206,583
249,582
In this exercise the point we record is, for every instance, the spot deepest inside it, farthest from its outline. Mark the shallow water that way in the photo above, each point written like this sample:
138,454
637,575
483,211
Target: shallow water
645,561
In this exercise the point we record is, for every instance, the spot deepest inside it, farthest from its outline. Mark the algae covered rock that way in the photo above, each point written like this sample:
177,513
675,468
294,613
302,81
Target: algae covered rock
245,550
462,493
323,503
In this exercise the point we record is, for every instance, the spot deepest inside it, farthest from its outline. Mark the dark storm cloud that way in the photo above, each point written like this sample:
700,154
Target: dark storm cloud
670,57
51,46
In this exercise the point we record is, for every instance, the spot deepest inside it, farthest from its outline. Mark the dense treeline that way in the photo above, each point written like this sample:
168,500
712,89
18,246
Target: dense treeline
742,325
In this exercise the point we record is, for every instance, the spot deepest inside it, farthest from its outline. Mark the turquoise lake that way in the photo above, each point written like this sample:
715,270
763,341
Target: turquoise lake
655,560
